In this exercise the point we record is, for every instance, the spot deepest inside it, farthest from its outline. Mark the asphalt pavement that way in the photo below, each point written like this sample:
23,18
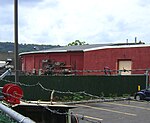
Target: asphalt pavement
127,111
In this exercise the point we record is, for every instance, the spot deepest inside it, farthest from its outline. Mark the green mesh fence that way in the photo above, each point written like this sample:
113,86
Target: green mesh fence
95,85
4,118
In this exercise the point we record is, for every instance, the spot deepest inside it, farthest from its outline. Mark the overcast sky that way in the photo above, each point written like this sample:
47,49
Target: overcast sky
59,22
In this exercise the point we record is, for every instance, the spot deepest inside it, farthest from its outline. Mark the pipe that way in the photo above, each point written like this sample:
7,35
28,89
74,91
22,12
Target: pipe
15,115
127,41
7,72
135,40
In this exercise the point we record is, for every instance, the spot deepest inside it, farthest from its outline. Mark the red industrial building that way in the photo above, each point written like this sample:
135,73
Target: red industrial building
95,59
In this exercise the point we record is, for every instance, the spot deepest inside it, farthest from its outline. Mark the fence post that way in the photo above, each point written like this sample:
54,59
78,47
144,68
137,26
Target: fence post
147,75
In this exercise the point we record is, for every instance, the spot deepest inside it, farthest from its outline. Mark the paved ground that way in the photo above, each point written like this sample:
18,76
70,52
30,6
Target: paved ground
114,112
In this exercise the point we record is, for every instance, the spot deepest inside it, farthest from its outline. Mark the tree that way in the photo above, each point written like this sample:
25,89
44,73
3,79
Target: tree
77,42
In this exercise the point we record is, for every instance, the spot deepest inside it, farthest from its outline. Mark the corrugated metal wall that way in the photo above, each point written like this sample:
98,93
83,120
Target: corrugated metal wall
98,59
95,85
34,61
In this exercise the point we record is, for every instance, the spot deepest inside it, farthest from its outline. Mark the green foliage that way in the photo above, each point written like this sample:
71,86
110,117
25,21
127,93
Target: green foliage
8,46
74,97
77,42
126,95
102,94
113,95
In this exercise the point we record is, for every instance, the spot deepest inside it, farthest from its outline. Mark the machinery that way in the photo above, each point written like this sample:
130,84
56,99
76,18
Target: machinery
52,67
12,93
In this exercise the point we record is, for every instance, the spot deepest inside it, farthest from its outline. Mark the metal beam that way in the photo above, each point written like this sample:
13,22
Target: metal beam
7,72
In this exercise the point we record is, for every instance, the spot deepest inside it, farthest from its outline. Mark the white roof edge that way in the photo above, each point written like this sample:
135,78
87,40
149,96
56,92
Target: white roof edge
119,46
42,51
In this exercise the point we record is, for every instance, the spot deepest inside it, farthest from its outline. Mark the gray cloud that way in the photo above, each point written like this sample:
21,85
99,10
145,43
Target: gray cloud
6,33
6,2
29,3
62,21
21,2
6,21
144,3
7,18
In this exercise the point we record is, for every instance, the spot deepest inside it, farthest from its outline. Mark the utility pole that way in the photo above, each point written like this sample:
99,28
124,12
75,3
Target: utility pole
16,40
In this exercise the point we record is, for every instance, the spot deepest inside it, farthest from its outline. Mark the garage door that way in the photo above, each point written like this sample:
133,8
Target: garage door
125,65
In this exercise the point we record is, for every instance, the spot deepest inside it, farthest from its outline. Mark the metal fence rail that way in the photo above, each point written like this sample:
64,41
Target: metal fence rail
14,115
71,72
5,118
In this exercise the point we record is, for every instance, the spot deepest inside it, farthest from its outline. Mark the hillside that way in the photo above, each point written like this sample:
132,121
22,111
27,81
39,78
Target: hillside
8,46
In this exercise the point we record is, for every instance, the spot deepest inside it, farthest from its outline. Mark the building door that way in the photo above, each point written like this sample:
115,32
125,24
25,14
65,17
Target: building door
125,66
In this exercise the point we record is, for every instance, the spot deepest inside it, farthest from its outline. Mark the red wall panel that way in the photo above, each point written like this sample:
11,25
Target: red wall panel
34,61
98,59
92,60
